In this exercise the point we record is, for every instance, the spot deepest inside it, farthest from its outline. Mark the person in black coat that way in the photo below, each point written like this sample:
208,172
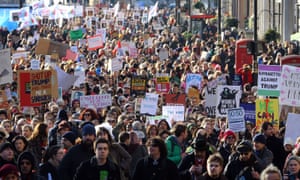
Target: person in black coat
156,165
99,166
194,164
243,164
78,153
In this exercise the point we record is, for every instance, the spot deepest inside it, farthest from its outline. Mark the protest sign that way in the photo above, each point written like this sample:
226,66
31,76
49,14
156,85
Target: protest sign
292,129
236,121
175,99
267,110
194,95
174,113
228,97
43,86
34,64
48,47
71,55
116,64
95,42
3,100
149,104
163,53
211,98
162,84
290,86
65,80
192,80
130,47
5,68
95,101
138,86
102,32
268,80
250,114
76,94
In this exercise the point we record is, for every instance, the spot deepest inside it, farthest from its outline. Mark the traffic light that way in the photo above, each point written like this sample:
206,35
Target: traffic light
251,48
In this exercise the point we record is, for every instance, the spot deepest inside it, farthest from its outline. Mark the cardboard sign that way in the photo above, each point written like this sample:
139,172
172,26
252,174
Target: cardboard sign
95,101
267,110
236,121
211,98
269,80
46,47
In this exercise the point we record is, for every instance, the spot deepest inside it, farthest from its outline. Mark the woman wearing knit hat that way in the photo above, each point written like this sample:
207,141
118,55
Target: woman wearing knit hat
9,172
226,146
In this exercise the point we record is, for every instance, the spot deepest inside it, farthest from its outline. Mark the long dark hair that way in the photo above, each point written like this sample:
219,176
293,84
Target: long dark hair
157,141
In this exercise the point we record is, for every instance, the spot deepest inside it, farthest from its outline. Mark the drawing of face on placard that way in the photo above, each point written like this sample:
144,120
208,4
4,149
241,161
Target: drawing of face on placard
228,100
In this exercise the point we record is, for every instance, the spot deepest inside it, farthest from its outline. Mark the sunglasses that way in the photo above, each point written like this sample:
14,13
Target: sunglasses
87,114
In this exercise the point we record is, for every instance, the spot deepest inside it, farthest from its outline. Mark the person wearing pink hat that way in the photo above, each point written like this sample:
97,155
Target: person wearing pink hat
9,172
226,145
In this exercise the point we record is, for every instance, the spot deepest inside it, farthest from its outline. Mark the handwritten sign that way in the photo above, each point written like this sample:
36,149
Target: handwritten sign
211,98
149,104
290,86
269,80
267,110
175,113
95,101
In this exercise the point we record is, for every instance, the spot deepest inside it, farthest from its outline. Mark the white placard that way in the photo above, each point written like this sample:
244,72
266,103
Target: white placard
95,101
174,113
236,119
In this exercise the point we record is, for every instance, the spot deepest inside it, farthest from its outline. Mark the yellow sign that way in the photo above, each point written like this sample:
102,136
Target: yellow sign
267,110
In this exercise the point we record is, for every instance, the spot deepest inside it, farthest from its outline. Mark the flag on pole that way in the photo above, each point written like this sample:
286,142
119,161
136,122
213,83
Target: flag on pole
153,11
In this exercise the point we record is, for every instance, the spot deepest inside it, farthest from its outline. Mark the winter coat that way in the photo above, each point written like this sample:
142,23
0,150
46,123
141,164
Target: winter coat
174,149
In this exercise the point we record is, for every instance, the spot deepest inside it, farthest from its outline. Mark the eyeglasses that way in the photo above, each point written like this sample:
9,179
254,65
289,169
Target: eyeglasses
87,114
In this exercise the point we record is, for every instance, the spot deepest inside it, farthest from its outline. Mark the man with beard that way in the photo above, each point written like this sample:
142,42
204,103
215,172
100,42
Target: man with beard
214,168
78,153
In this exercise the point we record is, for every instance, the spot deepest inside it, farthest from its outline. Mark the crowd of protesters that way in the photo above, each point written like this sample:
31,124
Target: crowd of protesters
61,140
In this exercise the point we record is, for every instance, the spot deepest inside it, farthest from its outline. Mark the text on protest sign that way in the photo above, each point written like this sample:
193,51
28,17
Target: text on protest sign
193,80
268,80
211,98
162,84
95,101
149,104
95,42
267,110
290,86
236,121
175,113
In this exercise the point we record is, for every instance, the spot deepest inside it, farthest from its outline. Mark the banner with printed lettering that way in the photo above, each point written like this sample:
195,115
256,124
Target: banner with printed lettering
290,86
115,64
174,113
95,101
236,121
269,80
95,42
162,84
6,74
267,110
102,32
211,98
138,86
228,98
149,104
192,80
250,114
